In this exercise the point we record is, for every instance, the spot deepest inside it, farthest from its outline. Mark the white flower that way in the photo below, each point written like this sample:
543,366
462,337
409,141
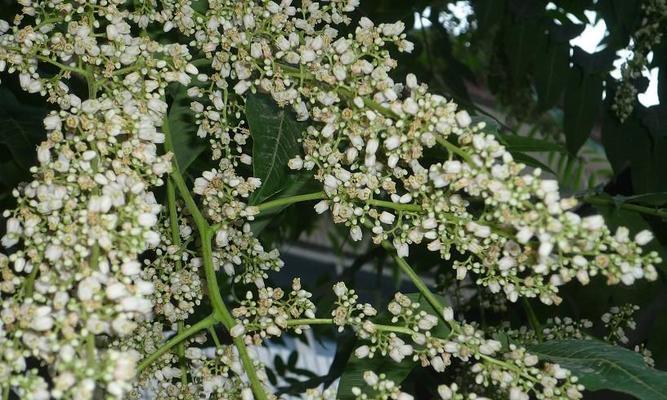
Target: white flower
410,106
506,263
53,252
130,268
445,392
394,29
246,394
147,219
392,142
387,217
356,233
644,237
402,249
52,122
438,364
593,222
463,118
545,249
452,167
340,289
517,394
448,313
411,81
87,288
362,351
116,290
42,320
321,206
237,330
241,87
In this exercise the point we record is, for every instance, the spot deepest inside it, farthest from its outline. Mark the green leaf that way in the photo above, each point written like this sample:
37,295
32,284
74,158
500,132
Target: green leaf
532,162
551,75
599,365
583,98
294,185
521,42
397,372
187,145
21,130
524,143
275,132
648,199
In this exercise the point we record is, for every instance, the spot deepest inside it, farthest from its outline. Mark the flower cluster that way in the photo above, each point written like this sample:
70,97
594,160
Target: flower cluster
271,313
451,392
645,38
381,388
617,320
101,282
73,274
348,311
366,144
417,334
242,256
175,273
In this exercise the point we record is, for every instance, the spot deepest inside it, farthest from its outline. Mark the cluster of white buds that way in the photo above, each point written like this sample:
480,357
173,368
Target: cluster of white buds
406,314
175,273
366,145
222,191
242,256
647,355
270,314
617,320
643,41
81,224
522,375
200,373
316,394
80,293
566,328
451,392
555,328
380,387
415,333
348,311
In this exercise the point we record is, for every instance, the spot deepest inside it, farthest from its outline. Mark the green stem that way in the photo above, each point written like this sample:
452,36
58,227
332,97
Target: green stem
452,148
310,321
329,321
29,284
176,241
285,201
421,286
395,329
90,348
532,319
508,366
220,313
395,206
186,333
627,206
214,336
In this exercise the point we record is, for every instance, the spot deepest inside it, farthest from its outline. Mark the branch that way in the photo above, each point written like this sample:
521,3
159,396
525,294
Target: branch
203,324
220,313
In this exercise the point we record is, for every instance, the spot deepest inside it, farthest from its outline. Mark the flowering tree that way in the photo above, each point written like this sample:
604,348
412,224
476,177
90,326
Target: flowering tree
176,127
